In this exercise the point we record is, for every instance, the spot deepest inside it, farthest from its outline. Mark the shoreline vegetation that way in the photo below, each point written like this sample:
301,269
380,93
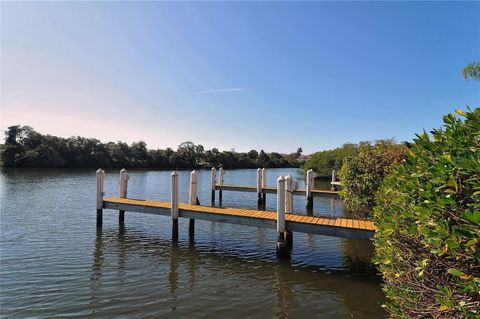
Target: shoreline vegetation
25,147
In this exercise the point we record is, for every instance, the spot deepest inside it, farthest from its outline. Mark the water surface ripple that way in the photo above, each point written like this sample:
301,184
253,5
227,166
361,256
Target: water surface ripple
56,264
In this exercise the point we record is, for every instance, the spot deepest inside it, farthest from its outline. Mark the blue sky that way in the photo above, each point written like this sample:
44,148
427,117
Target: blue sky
245,75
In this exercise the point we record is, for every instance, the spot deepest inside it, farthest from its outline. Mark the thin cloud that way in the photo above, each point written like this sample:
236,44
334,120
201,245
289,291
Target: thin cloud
223,90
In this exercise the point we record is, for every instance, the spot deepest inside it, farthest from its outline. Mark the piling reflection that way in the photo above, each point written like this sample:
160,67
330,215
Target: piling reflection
283,289
96,275
186,263
173,273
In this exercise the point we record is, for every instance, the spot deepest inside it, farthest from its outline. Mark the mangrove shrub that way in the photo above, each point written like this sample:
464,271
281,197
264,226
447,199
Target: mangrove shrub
324,162
363,173
428,216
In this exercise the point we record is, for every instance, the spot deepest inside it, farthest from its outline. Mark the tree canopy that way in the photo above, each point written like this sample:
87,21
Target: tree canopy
24,147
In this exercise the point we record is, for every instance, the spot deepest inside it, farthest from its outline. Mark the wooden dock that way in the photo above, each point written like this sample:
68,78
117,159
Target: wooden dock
283,219
338,227
273,190
261,187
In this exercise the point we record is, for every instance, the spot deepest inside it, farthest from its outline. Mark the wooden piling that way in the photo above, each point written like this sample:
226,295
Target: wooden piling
264,185
259,187
289,188
281,245
123,185
174,206
334,179
221,172
100,174
214,182
309,186
289,239
193,200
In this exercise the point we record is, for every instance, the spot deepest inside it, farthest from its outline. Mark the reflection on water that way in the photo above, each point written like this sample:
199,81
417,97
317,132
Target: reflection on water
55,263
287,284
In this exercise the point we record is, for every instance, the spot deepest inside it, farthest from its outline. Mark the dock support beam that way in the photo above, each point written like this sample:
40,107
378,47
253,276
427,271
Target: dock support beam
264,185
281,244
309,186
259,187
192,200
123,185
221,172
174,206
100,193
214,182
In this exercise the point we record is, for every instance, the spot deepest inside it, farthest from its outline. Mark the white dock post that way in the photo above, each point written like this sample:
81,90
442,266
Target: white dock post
281,246
334,179
289,188
123,186
259,186
221,172
174,203
214,182
193,200
264,185
100,174
309,187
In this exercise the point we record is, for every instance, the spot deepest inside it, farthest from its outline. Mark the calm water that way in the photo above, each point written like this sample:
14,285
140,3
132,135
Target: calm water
54,263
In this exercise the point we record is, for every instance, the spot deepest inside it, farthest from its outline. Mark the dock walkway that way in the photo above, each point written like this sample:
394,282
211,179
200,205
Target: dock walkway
338,227
284,220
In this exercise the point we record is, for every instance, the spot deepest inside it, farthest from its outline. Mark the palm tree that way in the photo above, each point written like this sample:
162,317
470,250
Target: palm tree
472,70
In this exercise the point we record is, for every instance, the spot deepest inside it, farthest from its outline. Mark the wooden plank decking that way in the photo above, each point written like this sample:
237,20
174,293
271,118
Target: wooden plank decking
338,227
273,190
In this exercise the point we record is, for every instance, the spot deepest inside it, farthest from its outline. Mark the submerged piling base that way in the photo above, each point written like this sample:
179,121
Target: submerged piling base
121,217
191,228
282,249
99,218
289,239
213,198
175,229
310,202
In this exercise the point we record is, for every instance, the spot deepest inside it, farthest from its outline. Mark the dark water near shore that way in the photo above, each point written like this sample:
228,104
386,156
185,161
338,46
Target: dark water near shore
54,263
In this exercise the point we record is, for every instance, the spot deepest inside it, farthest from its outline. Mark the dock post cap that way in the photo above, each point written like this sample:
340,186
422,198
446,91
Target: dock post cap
174,173
123,170
99,170
281,178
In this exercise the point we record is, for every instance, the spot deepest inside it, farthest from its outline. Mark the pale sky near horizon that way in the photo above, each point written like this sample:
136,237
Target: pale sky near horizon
243,75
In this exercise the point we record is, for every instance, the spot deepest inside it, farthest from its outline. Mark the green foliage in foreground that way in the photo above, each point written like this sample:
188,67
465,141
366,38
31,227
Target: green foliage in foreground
24,147
428,216
324,162
363,173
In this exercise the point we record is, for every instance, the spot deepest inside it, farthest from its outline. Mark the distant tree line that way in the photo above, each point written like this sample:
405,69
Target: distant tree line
24,147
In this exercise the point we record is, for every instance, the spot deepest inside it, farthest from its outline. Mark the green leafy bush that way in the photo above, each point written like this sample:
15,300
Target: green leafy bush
363,173
428,216
324,162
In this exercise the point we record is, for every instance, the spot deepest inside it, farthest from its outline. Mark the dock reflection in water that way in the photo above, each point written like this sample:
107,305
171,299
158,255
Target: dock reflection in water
189,279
